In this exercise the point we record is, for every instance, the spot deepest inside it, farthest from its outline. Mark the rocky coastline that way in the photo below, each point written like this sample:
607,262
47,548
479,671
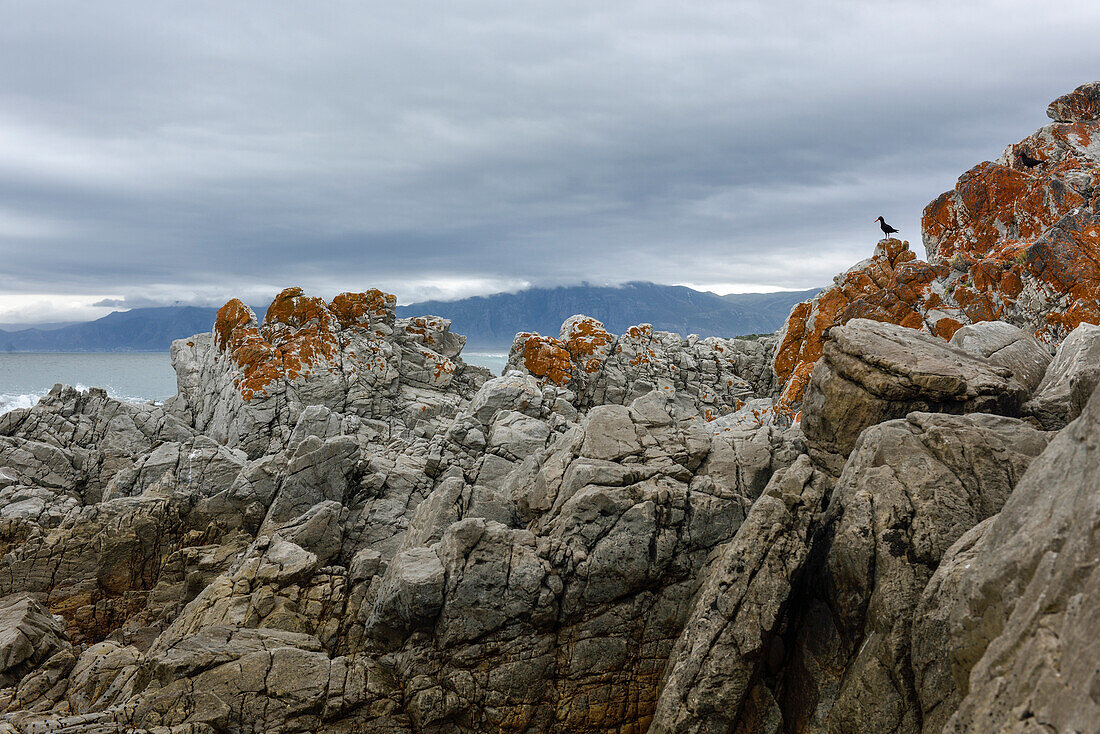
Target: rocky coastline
881,518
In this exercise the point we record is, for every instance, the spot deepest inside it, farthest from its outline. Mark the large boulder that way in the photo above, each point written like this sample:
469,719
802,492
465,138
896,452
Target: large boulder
1006,346
1005,635
874,371
909,490
1069,380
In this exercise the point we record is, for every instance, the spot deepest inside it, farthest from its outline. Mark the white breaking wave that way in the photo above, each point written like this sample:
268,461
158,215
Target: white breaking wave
14,401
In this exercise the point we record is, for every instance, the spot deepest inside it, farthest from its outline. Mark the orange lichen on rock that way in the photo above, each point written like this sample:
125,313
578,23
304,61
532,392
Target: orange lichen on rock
423,326
638,341
1080,105
363,309
232,316
304,330
299,334
1051,284
587,342
546,357
990,206
892,286
1009,242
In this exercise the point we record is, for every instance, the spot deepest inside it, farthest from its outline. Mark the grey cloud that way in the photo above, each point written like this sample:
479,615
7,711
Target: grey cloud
201,150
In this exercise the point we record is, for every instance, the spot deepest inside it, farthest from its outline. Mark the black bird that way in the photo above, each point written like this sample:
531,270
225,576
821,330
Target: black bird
1028,160
886,228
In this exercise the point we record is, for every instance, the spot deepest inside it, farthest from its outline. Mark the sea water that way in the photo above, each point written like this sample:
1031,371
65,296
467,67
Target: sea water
134,377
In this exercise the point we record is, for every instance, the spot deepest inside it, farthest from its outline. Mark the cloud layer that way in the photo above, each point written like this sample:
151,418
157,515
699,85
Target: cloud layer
194,151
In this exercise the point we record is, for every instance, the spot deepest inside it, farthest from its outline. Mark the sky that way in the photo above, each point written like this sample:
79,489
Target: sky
190,152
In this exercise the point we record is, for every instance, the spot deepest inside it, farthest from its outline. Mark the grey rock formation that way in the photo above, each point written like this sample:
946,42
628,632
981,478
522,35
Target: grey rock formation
1069,380
714,681
247,383
29,635
81,440
1006,346
909,490
339,526
873,371
1005,635
600,368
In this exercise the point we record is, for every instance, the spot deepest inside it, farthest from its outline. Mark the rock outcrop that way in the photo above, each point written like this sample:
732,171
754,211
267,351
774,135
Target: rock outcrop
1010,242
339,526
245,384
891,286
873,371
1005,634
599,367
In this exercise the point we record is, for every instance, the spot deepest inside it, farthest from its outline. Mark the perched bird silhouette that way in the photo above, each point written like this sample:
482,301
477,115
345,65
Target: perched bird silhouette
886,228
1027,160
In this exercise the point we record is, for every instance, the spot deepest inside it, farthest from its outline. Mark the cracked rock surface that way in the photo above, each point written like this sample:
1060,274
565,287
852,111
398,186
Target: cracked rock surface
337,525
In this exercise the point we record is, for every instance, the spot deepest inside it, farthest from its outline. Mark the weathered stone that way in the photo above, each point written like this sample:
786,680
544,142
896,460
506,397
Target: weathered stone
411,595
910,488
873,371
1005,635
29,635
1007,346
723,654
891,286
599,368
1069,380
1080,105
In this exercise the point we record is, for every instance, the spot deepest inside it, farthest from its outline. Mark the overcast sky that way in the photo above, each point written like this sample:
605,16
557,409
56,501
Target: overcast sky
162,152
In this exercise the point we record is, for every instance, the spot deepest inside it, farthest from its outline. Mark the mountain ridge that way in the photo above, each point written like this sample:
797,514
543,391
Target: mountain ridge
494,320
489,322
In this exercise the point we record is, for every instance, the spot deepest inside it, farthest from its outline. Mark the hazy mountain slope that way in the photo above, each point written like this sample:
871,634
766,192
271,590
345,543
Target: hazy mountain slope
137,330
488,321
494,320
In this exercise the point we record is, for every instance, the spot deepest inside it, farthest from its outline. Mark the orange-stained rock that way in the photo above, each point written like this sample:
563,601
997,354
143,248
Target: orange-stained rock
990,206
1009,242
364,309
707,378
891,286
299,334
232,316
580,349
1080,105
587,341
546,357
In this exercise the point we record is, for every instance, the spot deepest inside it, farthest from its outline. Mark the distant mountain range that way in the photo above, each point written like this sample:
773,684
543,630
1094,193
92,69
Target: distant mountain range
136,330
489,322
492,321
